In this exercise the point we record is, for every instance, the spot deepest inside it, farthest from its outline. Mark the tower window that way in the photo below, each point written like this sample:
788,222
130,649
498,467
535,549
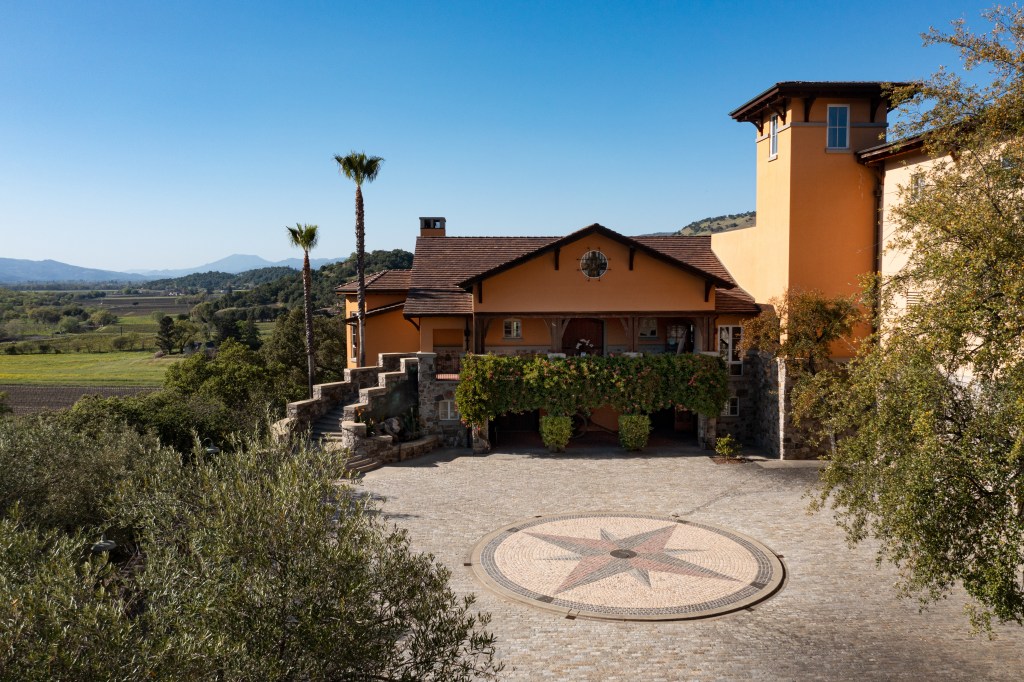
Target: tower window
838,126
773,137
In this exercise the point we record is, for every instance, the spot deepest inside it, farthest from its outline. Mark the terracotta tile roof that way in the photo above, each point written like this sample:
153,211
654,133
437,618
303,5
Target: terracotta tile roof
735,301
888,150
693,251
378,311
385,280
441,263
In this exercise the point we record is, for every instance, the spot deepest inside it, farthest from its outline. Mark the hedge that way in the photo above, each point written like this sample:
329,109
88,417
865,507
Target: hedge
493,385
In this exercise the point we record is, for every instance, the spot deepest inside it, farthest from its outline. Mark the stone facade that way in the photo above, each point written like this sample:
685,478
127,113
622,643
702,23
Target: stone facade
772,426
744,425
432,391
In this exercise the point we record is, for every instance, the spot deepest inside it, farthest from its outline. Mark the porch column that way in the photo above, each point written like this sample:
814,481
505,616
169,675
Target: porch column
480,327
706,338
556,327
632,327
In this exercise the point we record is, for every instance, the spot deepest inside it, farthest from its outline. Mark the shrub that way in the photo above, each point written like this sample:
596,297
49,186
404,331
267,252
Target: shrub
634,430
726,447
255,565
555,432
62,470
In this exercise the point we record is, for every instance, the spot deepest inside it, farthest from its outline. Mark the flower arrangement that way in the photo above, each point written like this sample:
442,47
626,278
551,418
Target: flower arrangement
585,346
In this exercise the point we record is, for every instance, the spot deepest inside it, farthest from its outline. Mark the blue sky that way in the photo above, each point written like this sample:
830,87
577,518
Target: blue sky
170,134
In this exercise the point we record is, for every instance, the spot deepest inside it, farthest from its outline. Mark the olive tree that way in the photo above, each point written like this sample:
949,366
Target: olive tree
932,464
261,562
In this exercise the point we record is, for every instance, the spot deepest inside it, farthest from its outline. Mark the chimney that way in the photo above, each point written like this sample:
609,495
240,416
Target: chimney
431,227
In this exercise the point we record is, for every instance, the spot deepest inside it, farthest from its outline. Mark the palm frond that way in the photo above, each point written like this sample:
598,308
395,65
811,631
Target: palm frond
358,167
303,236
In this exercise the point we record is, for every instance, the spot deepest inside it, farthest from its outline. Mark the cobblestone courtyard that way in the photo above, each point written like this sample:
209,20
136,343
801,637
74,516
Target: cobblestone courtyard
836,617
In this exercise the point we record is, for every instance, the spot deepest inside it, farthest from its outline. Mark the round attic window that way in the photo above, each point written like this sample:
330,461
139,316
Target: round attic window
594,264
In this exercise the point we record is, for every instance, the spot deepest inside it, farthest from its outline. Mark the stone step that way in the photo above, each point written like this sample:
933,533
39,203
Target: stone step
363,466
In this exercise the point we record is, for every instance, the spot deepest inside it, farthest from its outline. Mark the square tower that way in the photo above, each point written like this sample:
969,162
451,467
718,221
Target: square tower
817,205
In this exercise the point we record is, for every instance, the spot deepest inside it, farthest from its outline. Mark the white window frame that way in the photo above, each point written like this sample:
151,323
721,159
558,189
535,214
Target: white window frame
512,329
917,186
729,347
844,128
447,410
648,328
773,137
353,335
731,407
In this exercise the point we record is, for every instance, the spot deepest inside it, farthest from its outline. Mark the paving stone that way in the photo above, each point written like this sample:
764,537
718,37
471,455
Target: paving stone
835,617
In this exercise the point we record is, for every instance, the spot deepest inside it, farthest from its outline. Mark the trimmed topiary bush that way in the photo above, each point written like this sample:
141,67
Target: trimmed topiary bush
555,432
634,430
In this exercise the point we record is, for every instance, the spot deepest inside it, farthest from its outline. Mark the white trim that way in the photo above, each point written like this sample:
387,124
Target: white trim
447,410
731,350
727,409
773,137
517,325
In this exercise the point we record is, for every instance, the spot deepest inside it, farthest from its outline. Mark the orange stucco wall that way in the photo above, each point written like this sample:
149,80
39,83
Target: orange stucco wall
536,336
758,256
385,333
832,208
536,286
441,328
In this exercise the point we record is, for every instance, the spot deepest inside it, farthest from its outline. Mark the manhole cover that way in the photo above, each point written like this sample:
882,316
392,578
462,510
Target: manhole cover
623,566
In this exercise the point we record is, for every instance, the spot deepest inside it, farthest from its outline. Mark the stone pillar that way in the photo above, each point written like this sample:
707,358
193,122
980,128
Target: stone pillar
427,389
707,428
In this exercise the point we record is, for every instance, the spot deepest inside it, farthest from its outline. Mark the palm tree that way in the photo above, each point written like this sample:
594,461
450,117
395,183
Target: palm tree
360,168
305,237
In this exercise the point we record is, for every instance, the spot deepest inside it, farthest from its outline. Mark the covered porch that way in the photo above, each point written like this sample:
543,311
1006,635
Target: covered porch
594,333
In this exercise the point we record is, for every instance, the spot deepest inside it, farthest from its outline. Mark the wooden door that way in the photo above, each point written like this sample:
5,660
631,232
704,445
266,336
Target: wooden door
582,329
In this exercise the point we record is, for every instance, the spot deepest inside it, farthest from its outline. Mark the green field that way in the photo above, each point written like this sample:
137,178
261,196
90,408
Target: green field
84,369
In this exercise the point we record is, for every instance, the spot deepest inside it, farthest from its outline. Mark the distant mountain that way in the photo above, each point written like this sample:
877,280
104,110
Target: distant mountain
237,263
722,223
17,271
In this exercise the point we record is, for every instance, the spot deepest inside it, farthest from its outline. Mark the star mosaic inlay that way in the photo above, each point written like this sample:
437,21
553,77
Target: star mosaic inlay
627,566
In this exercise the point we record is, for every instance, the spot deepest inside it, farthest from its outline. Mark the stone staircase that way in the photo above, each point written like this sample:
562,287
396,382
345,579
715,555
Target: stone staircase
336,429
327,433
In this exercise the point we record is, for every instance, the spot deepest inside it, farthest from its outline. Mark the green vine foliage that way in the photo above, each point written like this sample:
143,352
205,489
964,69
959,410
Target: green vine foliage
493,385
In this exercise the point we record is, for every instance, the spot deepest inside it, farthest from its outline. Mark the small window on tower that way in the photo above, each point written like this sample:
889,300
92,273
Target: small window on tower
838,126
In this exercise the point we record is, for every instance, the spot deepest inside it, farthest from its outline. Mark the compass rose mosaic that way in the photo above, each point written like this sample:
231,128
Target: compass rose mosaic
622,566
